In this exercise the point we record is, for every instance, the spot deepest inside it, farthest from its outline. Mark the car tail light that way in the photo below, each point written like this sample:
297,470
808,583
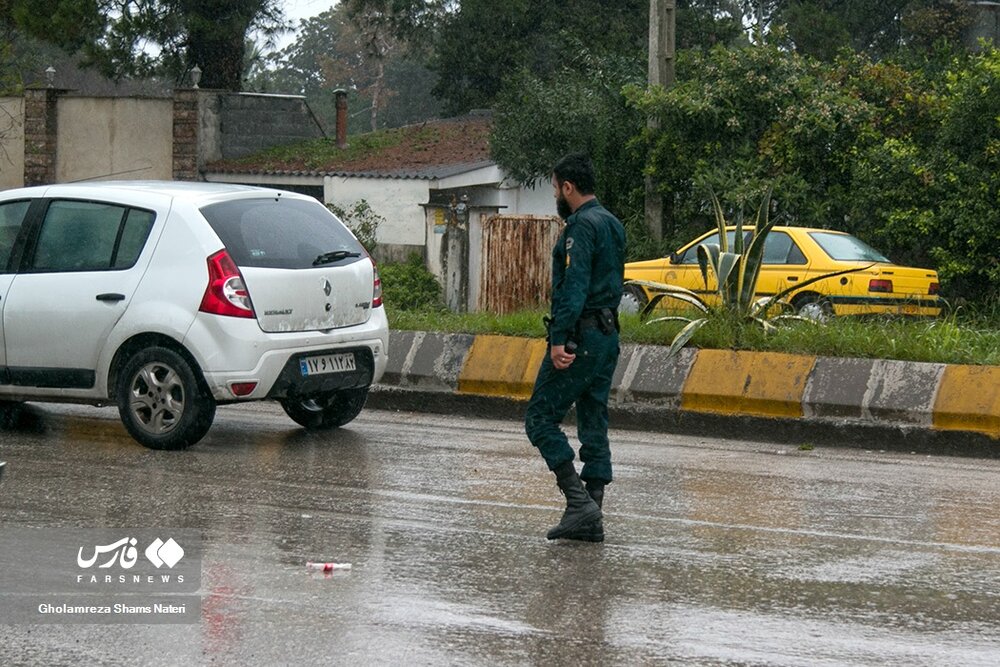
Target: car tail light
376,286
935,288
877,285
226,294
242,388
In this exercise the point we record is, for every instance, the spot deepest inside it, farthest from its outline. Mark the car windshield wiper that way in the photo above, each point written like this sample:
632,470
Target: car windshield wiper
335,256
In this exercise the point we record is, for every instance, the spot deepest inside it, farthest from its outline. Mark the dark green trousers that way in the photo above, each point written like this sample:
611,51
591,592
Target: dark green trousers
587,384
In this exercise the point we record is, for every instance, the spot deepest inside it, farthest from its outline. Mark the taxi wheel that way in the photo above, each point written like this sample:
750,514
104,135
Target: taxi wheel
814,307
161,402
326,411
633,300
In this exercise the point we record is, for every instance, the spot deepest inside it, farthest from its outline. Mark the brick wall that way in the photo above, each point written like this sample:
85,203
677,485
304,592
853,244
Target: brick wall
185,153
206,125
40,135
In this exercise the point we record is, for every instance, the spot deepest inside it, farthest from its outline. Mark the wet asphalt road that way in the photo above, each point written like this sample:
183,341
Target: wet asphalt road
717,552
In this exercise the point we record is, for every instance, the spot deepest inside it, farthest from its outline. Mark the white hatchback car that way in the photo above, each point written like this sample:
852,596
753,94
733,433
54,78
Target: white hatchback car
169,298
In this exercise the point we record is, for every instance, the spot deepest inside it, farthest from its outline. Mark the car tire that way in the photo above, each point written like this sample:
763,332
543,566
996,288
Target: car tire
161,401
10,412
326,411
814,307
633,300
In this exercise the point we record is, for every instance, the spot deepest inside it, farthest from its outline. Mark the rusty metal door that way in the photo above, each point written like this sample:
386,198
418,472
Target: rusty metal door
516,265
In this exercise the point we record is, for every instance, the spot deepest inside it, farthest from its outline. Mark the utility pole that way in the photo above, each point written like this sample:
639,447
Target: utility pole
662,21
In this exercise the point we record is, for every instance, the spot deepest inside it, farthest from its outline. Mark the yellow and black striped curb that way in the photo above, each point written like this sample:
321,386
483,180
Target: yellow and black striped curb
938,397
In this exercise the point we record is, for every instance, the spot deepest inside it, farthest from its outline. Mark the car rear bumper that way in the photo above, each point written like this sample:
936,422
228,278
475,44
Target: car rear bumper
887,305
242,353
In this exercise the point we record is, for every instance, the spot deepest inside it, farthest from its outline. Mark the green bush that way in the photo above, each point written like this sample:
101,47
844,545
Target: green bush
410,286
362,221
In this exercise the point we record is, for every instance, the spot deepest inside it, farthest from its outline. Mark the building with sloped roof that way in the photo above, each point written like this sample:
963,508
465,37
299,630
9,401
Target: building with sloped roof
414,177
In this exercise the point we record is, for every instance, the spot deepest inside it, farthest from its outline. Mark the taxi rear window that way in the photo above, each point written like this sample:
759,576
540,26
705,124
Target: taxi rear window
847,248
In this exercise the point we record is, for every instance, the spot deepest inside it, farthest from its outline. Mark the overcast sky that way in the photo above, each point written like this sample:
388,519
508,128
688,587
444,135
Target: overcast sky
296,10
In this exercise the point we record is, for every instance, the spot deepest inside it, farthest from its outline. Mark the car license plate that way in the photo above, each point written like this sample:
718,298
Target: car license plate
327,363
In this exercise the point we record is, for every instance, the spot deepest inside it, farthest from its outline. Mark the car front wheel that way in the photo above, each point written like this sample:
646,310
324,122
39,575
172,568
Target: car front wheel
326,411
161,402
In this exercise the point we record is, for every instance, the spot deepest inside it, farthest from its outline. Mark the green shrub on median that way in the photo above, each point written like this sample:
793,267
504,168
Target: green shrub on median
961,338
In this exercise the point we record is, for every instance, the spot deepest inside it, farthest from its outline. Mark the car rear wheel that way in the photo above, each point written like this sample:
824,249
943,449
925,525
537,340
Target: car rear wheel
9,413
161,402
326,411
633,300
814,308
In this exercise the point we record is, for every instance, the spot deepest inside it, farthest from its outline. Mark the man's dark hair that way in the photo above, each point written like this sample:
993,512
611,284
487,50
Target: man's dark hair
578,170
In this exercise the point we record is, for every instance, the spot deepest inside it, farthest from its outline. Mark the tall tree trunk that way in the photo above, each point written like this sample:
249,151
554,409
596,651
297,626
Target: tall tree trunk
217,31
377,87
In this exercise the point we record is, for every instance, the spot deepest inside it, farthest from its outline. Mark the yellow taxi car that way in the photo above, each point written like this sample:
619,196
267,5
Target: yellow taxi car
793,255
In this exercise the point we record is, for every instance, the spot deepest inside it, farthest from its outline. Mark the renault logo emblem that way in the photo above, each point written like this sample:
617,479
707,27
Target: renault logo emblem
327,287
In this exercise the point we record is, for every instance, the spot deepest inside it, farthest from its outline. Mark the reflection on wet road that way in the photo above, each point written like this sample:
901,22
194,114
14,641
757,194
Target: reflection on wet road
717,552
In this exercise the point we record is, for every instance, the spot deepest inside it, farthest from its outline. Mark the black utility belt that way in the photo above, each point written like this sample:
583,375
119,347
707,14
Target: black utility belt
603,319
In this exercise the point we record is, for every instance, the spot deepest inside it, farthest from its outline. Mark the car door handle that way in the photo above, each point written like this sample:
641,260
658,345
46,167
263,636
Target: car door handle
110,296
793,279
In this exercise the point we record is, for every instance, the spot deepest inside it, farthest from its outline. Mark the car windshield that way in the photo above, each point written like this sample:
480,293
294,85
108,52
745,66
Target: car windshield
846,248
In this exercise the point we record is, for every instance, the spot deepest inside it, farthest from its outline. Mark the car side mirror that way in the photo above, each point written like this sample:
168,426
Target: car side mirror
673,257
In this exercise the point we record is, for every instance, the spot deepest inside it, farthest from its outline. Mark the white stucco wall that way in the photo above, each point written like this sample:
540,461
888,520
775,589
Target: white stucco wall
114,138
537,200
11,142
397,200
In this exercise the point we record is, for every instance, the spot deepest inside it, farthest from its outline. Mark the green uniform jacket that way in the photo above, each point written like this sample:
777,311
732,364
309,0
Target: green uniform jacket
588,267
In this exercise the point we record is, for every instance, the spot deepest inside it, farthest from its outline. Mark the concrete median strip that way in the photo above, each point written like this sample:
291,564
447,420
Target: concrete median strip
823,391
501,366
764,384
969,400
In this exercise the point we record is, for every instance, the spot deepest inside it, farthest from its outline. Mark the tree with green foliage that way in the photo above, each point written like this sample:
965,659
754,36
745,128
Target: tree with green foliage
705,23
934,198
485,42
822,28
536,123
116,36
331,53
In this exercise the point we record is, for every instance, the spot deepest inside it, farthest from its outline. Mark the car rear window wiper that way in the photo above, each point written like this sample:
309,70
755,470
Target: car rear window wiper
334,256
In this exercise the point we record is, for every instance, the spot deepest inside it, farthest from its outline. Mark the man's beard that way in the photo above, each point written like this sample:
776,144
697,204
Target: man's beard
562,207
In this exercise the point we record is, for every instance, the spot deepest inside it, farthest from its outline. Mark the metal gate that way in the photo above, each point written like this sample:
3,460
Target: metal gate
516,264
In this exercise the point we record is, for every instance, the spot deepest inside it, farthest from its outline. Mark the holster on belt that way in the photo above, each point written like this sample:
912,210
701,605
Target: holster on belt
603,319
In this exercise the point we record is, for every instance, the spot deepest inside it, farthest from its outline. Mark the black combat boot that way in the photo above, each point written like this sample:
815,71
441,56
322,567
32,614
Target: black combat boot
580,507
592,531
596,491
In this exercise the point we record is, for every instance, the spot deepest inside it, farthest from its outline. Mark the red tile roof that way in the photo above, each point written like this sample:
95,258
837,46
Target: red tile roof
432,149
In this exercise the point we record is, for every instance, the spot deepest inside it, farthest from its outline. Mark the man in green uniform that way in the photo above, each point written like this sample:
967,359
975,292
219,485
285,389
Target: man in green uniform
588,265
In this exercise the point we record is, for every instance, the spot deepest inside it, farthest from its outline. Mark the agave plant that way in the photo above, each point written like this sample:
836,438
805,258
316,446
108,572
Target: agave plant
736,272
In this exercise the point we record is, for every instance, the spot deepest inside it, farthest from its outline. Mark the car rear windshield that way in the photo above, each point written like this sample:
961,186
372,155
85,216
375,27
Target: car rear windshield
282,233
846,248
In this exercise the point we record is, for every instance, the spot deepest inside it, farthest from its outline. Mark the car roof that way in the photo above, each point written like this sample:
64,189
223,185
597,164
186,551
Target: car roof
196,192
780,228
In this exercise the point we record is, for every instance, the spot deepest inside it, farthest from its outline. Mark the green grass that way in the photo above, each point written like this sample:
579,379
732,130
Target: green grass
957,339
